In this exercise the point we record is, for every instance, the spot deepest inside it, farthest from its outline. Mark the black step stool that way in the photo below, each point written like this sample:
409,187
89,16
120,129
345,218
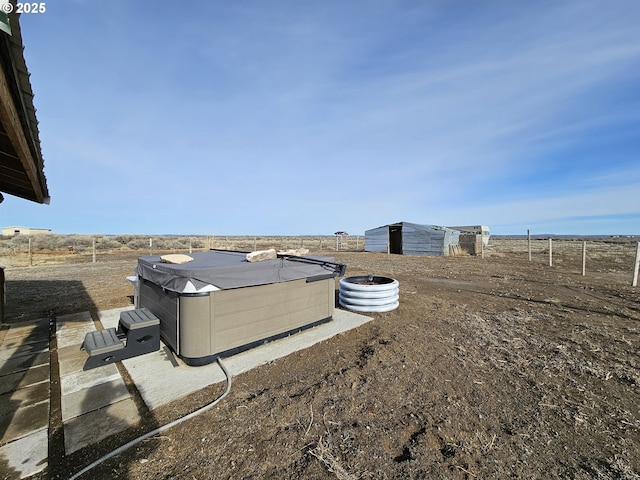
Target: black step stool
138,333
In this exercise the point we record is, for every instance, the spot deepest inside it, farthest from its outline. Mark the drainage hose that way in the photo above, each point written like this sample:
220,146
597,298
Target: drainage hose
161,429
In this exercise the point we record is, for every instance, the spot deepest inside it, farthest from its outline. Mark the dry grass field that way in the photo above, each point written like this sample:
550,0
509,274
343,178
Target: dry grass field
490,368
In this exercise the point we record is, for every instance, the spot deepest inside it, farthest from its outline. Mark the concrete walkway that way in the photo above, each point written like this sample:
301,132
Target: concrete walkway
96,403
24,399
161,377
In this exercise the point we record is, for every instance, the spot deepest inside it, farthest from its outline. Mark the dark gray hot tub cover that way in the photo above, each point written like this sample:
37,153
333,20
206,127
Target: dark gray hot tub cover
229,269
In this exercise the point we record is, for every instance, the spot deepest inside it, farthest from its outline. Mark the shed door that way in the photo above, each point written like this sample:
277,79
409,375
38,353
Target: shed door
395,239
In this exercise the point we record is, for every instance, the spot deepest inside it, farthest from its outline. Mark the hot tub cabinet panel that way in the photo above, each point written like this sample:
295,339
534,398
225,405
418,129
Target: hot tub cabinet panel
164,305
249,315
201,326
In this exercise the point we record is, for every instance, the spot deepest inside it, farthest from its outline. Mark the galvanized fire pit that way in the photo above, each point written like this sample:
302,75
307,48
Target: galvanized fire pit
369,293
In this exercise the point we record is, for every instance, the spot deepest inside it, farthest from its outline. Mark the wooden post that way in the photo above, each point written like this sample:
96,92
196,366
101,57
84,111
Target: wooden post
636,266
2,295
255,244
357,243
30,255
94,250
320,243
584,258
150,245
301,242
481,247
529,242
337,244
190,246
550,252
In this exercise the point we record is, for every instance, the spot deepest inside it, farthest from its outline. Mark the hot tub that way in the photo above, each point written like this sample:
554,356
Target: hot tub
220,304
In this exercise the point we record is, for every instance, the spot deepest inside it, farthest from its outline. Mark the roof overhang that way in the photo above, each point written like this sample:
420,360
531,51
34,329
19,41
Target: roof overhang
21,163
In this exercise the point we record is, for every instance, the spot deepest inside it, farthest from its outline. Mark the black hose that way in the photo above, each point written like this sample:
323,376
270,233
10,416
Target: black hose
158,430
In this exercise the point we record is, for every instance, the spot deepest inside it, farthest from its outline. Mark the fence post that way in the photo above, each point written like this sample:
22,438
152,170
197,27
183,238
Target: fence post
320,243
255,244
30,254
550,252
190,246
529,242
93,250
584,258
636,266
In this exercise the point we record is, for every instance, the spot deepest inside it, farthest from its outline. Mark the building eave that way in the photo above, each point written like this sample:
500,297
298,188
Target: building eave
21,162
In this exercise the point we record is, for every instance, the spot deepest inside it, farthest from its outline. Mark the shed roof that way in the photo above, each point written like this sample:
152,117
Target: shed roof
21,163
419,226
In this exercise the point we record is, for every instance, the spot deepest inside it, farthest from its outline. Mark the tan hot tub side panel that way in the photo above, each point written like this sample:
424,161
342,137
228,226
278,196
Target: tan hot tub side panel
194,326
228,319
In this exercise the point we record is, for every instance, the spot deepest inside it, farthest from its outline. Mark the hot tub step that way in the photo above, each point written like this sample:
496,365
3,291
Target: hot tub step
138,333
137,319
99,342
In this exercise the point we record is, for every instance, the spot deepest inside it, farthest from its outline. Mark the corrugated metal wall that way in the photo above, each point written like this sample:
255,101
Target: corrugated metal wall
416,239
427,239
375,240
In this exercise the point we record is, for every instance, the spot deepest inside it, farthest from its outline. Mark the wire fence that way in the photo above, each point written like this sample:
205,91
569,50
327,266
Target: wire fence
34,249
608,254
579,254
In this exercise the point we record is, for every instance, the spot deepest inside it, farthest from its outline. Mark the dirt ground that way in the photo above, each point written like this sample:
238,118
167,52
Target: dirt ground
490,368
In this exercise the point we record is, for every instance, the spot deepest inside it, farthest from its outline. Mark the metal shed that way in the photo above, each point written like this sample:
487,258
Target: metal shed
406,238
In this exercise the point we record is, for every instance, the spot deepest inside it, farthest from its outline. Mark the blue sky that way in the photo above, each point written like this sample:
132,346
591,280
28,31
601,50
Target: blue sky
303,118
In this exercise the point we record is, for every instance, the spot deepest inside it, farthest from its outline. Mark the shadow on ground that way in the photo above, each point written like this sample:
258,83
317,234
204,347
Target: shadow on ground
30,383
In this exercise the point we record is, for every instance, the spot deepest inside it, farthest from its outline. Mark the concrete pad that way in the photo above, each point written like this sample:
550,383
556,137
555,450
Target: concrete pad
111,318
71,329
92,398
26,456
94,426
71,318
74,336
86,379
71,359
25,329
24,421
23,350
69,352
14,381
11,401
17,364
160,379
17,341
